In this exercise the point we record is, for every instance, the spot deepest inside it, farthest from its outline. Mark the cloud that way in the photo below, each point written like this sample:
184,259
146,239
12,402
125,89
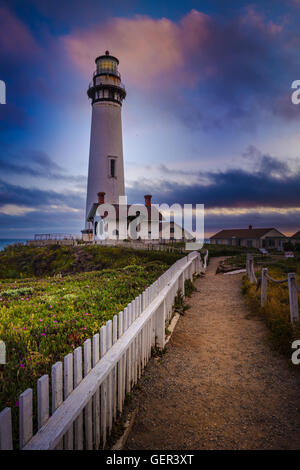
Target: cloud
266,195
26,211
208,71
38,198
187,51
137,42
265,164
14,210
16,39
40,222
269,183
150,50
39,165
257,21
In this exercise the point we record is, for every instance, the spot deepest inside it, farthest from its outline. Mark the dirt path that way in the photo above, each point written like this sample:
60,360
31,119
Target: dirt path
219,386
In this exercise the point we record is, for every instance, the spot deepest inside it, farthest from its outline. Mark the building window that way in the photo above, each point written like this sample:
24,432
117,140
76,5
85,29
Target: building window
112,168
249,243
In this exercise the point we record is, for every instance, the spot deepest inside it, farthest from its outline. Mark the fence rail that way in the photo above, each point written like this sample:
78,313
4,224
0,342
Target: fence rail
263,283
110,243
141,245
89,388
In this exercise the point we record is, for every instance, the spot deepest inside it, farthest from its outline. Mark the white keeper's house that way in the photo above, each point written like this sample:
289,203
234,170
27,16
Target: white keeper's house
269,238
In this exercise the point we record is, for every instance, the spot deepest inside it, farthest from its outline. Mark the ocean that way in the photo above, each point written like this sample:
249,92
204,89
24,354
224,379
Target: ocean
10,241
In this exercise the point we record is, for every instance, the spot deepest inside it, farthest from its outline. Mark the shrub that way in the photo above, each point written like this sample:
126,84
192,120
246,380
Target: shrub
13,293
275,312
227,250
189,288
288,246
19,261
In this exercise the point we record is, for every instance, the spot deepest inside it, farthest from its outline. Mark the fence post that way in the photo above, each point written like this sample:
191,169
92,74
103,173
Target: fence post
120,366
248,265
160,325
251,268
181,283
68,388
25,417
205,260
43,400
103,408
264,287
6,442
293,294
57,391
96,397
78,424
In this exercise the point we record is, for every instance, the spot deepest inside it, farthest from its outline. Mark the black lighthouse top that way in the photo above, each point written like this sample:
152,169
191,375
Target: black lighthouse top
108,57
106,84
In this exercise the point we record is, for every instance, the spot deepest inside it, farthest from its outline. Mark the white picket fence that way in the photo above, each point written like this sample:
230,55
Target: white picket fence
88,390
294,289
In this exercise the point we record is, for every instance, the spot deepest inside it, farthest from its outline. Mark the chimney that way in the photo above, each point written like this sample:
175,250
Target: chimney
148,200
250,227
101,198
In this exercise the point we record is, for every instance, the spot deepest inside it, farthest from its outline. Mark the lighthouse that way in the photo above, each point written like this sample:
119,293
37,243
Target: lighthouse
106,167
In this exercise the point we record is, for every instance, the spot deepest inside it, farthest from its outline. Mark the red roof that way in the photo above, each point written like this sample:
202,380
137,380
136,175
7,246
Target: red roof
243,233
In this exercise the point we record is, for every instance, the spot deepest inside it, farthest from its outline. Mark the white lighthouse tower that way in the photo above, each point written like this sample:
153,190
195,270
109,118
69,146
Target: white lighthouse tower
106,167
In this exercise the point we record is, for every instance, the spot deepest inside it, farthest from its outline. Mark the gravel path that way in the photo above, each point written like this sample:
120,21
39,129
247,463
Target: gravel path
219,386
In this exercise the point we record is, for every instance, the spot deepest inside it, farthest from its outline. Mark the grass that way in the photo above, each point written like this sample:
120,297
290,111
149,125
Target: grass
276,312
180,306
19,261
189,288
44,318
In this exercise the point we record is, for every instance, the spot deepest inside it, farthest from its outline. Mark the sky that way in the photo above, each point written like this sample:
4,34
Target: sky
208,116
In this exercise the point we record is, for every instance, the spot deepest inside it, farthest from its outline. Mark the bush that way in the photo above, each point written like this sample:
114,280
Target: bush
276,312
189,288
13,293
227,250
288,246
19,261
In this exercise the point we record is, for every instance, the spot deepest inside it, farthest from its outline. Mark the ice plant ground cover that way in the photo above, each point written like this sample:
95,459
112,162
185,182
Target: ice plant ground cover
42,319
